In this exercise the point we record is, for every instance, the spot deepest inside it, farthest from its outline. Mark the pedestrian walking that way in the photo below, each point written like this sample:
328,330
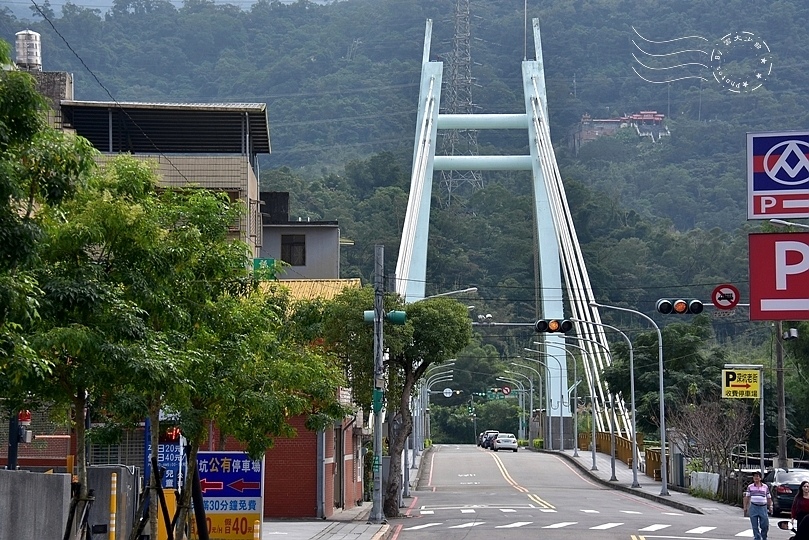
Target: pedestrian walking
757,506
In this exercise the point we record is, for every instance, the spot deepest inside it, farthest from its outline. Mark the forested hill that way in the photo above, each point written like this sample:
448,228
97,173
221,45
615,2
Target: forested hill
341,84
341,80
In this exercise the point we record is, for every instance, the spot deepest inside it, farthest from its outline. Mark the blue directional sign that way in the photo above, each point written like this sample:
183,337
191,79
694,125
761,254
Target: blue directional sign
778,175
232,493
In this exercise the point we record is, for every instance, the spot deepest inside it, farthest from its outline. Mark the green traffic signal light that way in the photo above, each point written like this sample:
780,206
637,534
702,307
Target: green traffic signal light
679,306
553,325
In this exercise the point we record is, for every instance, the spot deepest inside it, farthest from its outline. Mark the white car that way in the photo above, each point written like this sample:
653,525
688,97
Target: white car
505,441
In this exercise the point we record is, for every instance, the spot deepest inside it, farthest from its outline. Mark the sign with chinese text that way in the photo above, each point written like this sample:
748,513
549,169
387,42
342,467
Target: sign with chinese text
741,383
232,491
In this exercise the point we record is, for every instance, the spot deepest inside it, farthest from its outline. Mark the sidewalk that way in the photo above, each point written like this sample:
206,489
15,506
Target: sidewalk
349,524
649,488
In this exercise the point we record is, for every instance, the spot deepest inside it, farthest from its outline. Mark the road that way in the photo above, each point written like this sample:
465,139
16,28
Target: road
470,493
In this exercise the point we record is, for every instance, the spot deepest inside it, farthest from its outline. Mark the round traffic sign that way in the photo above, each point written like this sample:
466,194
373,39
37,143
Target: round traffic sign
447,392
506,390
725,296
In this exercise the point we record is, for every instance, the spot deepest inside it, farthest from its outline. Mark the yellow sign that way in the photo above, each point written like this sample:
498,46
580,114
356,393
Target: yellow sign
741,383
229,526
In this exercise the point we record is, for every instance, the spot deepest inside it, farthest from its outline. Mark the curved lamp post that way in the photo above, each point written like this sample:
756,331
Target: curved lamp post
543,398
521,397
531,406
576,394
530,400
664,490
561,398
635,455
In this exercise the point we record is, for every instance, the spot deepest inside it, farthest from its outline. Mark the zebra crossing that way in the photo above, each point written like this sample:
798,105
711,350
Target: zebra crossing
447,518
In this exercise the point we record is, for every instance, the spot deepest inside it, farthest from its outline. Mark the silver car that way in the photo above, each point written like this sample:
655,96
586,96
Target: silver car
504,441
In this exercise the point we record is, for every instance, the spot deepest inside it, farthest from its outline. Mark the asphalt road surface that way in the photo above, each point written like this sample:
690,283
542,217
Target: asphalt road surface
469,493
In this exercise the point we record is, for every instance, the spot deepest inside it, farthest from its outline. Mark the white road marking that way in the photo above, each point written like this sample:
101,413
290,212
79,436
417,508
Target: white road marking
551,510
630,512
560,525
507,510
467,511
605,526
700,530
590,511
417,527
655,527
512,525
746,533
427,512
671,514
467,525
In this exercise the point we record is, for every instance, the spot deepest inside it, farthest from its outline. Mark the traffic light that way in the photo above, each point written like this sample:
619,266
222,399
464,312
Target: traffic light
553,325
667,306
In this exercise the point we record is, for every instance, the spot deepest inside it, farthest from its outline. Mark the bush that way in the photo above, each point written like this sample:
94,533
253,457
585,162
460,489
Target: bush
537,443
428,443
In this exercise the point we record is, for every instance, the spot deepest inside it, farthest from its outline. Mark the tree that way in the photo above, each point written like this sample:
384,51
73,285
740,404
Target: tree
709,430
39,167
441,328
436,329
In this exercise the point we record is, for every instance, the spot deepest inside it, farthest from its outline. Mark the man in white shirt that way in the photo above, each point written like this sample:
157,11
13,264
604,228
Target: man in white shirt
757,505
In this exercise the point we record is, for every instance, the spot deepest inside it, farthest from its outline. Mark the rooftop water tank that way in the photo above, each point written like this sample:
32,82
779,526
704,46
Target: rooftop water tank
29,50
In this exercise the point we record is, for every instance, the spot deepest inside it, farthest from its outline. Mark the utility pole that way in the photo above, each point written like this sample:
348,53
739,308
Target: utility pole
779,390
377,515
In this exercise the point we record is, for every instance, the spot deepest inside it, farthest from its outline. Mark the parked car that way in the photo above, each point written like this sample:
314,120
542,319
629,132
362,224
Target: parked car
505,441
784,485
483,435
489,439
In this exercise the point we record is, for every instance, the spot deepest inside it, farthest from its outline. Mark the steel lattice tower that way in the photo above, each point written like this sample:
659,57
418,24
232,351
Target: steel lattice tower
458,99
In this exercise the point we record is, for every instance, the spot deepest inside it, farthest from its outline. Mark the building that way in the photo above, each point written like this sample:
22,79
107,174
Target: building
645,123
309,249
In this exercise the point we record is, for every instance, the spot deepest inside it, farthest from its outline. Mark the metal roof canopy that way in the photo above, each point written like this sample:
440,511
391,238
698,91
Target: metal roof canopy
171,128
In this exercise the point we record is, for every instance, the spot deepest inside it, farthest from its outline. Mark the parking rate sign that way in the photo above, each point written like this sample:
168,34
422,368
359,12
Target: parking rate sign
778,175
779,276
232,489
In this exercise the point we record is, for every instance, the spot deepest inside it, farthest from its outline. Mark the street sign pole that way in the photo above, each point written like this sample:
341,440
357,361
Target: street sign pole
760,369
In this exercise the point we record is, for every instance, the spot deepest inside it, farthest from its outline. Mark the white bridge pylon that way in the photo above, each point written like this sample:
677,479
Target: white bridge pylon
559,250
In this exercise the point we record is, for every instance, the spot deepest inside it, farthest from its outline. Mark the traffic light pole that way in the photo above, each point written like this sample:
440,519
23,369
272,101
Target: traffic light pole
377,515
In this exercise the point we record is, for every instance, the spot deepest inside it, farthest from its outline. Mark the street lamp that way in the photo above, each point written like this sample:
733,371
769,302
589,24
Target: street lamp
520,397
530,399
635,455
531,406
561,398
663,465
576,393
544,398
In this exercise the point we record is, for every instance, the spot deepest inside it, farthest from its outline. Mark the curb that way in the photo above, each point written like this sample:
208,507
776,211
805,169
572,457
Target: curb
634,491
384,533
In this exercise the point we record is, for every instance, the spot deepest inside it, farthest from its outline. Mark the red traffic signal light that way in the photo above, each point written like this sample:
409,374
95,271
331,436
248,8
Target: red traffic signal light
553,325
679,306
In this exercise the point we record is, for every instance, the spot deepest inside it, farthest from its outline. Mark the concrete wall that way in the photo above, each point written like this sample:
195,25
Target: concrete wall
99,480
33,506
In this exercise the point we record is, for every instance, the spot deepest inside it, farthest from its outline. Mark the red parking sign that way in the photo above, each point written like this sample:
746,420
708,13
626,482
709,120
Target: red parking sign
779,276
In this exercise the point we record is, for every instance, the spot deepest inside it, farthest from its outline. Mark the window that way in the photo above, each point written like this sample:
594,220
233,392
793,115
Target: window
293,249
